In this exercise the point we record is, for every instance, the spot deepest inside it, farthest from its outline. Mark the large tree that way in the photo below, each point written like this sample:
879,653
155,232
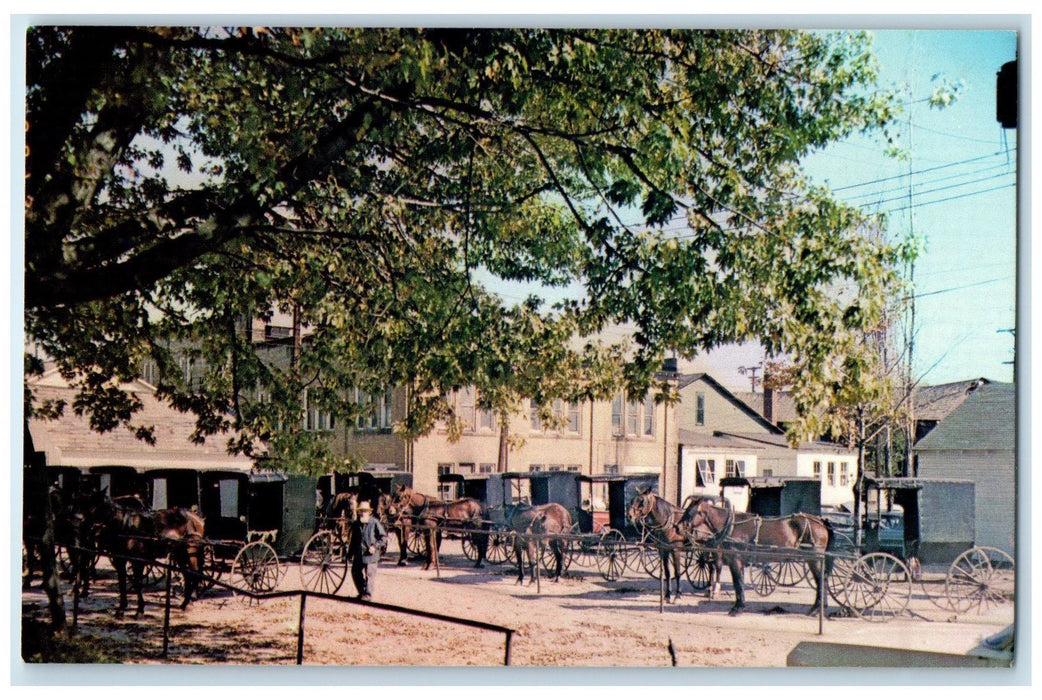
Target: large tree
375,183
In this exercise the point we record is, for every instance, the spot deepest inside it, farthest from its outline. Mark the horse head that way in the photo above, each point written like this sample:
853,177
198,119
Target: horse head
641,506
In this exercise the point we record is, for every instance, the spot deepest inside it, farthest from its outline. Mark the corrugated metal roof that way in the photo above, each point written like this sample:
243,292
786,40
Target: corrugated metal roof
985,420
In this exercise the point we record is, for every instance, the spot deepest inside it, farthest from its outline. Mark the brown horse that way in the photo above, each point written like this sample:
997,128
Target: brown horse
538,525
733,532
667,526
136,536
415,509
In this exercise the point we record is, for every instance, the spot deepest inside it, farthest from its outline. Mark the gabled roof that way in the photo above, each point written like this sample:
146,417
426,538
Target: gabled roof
985,420
712,440
69,440
937,401
782,441
686,380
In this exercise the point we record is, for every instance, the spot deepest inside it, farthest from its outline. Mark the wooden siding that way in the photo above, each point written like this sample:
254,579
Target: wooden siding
993,474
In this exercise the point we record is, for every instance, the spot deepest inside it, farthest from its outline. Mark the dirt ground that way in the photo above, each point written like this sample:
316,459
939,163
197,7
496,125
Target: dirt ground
581,620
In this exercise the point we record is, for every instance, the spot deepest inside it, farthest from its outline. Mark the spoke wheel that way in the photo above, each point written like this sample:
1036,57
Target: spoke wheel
981,578
582,548
255,569
323,565
879,588
499,547
470,550
789,573
839,577
548,559
699,569
650,559
611,555
760,576
416,545
211,569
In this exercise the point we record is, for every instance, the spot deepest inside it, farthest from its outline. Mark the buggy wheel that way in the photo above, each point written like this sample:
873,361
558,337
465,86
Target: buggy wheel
789,573
842,569
548,560
980,578
650,559
699,569
611,555
255,569
499,547
760,576
879,588
416,545
211,569
470,550
581,547
323,565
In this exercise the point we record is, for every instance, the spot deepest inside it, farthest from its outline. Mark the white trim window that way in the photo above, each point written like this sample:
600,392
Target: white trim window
816,469
831,473
700,409
734,467
844,474
706,472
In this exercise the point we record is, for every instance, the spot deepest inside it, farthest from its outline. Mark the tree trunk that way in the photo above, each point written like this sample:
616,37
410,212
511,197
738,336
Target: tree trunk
38,504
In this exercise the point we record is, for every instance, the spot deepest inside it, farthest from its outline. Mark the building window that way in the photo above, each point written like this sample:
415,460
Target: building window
700,409
573,417
611,468
485,421
555,468
315,419
375,410
844,474
486,468
817,470
616,414
706,472
576,468
735,467
633,418
832,474
537,424
535,467
465,468
768,472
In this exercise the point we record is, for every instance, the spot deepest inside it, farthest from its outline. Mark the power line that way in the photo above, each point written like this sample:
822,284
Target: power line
949,199
919,172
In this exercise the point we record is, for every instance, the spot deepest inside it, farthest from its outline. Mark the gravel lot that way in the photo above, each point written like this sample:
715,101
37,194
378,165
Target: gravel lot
581,620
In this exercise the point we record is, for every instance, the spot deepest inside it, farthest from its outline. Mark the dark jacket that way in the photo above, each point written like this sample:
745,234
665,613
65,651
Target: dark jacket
366,535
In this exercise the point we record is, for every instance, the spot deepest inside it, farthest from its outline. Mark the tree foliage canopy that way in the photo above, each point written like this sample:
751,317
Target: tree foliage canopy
376,182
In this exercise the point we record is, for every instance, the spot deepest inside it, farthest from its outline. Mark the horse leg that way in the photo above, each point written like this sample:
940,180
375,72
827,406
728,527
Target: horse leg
190,568
533,561
120,565
737,571
480,539
558,547
819,599
520,562
676,574
403,545
137,570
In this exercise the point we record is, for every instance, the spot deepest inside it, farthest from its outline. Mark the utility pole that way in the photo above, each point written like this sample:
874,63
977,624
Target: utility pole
1012,332
751,371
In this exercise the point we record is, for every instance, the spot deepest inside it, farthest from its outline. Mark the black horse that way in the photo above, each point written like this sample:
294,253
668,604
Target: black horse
131,535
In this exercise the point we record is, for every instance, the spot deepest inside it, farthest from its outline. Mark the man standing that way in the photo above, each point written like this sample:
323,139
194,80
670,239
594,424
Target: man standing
367,538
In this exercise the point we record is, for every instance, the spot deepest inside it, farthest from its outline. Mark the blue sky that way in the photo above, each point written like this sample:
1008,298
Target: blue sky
953,189
960,172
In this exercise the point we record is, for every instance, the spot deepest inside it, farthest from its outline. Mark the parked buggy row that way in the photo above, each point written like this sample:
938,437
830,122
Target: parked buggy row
908,532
